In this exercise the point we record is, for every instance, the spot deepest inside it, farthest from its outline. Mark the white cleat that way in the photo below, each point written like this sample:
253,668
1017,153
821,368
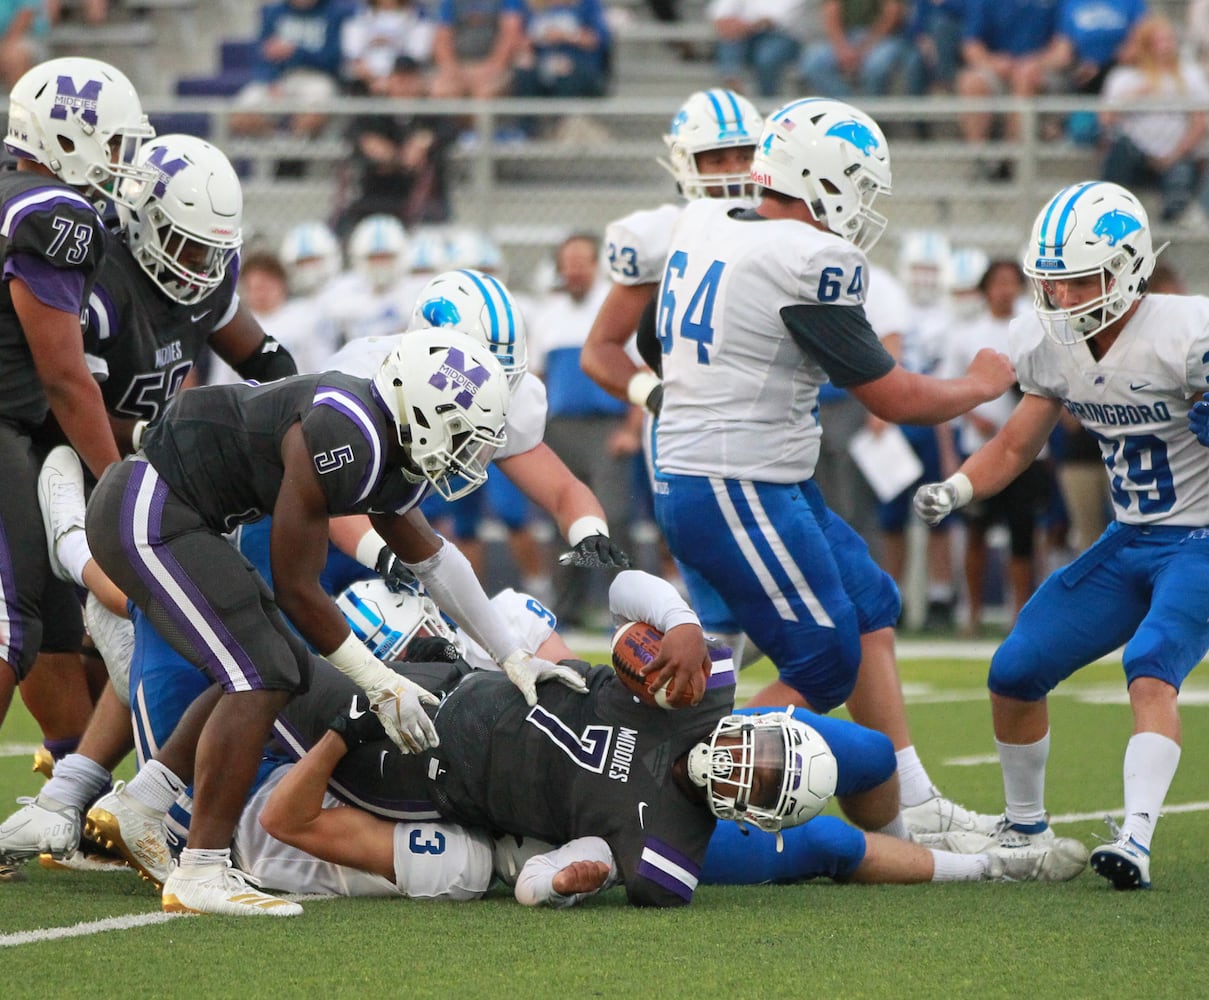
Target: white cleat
61,497
1124,862
222,889
941,815
120,824
1058,859
81,861
42,826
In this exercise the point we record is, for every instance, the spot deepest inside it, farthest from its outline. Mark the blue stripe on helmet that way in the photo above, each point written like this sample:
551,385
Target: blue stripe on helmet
506,304
1068,195
492,311
795,105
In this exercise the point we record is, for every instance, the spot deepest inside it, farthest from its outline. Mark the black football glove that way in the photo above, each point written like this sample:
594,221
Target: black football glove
358,723
394,573
595,552
431,649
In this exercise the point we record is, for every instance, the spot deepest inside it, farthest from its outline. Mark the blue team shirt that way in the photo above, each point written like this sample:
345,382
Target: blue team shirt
570,393
1096,28
1016,27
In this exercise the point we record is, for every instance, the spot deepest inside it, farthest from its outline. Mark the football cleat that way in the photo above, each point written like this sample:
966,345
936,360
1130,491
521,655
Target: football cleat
61,497
941,815
132,830
222,889
44,763
43,825
1058,859
1017,835
1124,862
83,861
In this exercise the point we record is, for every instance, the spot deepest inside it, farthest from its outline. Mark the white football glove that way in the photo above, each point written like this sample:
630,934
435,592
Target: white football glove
935,501
527,671
400,707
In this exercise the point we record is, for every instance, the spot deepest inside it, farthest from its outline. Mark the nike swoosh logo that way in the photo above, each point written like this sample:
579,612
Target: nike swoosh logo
1138,387
382,762
353,711
200,316
641,810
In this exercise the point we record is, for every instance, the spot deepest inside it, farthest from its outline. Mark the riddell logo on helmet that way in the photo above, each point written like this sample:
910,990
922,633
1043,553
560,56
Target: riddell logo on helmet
761,178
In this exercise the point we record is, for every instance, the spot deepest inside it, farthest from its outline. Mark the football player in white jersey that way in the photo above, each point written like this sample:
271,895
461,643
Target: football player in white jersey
710,143
480,305
759,307
1131,367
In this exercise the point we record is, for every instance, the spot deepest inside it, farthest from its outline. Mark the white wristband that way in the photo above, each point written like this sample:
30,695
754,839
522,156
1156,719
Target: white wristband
359,665
585,527
640,387
368,549
963,489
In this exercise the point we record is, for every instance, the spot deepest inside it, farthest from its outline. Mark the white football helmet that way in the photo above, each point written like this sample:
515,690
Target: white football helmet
966,268
310,254
475,249
834,157
377,250
430,250
478,304
924,260
449,400
803,770
387,620
1087,229
187,229
711,119
82,118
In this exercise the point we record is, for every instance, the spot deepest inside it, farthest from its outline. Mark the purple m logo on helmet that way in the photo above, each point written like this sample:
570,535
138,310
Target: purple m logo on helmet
82,102
455,372
165,169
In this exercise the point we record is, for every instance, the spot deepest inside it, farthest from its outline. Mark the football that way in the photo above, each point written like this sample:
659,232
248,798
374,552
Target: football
636,644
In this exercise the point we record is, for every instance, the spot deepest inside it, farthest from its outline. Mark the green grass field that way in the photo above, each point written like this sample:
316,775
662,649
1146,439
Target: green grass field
1077,939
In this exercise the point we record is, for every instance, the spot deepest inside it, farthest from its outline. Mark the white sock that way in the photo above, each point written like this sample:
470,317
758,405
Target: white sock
77,781
1150,763
949,867
896,828
1023,767
155,787
914,785
195,858
74,553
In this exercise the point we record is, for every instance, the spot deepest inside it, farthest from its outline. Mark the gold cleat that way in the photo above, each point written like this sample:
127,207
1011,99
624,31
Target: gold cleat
44,763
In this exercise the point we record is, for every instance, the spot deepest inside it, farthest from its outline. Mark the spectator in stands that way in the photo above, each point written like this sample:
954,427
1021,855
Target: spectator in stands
1160,147
764,36
1196,35
595,435
566,50
1002,41
384,46
864,48
475,44
23,27
934,30
298,62
399,162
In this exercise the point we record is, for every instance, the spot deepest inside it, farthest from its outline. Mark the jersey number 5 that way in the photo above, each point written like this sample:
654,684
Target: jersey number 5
696,321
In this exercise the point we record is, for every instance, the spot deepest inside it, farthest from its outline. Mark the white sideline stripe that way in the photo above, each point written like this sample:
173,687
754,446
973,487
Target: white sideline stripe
90,927
117,924
1168,809
18,749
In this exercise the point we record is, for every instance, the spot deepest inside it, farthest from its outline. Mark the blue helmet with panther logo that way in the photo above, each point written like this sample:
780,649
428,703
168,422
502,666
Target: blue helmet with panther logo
1090,228
834,157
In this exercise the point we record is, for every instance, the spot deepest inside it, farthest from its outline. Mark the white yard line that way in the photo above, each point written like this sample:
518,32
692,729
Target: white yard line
90,927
